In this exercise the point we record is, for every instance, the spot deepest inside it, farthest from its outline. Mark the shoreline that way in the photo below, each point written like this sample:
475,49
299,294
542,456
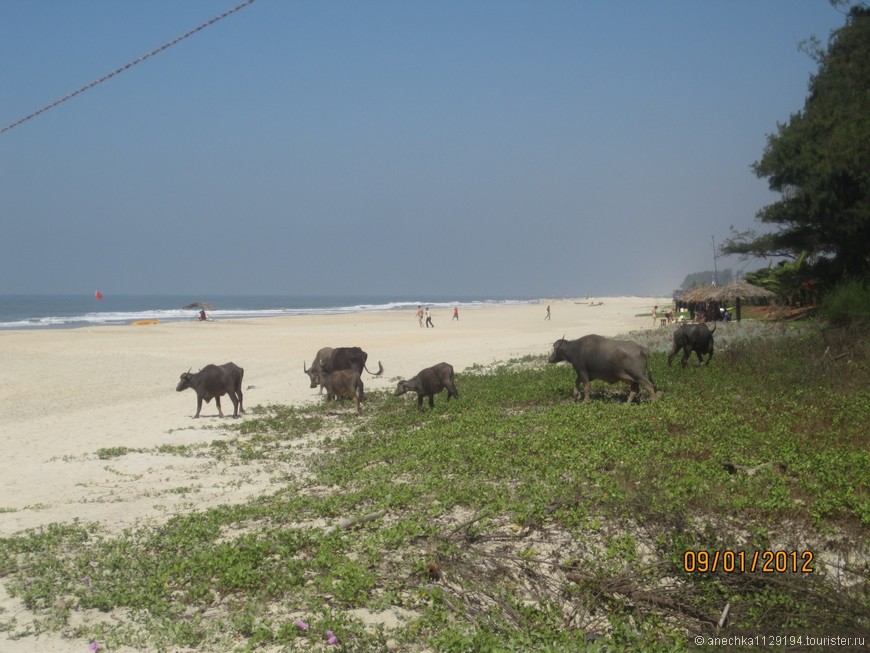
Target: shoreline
69,393
66,312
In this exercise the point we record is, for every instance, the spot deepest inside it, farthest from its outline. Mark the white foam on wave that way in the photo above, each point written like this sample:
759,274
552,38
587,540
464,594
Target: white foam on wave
186,315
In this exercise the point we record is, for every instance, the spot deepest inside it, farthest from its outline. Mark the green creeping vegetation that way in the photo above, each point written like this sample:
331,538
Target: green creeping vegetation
513,519
169,449
114,452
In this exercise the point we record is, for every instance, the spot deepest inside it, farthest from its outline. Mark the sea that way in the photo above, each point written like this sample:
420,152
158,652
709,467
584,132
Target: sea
72,311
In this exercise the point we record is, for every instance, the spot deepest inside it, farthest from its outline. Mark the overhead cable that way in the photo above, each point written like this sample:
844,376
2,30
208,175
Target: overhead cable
117,71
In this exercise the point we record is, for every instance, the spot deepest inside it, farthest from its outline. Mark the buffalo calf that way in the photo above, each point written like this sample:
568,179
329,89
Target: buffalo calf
430,382
212,382
344,384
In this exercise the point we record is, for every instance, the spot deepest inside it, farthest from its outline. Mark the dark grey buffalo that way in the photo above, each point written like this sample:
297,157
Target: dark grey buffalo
430,382
322,360
690,338
344,384
329,360
596,357
214,381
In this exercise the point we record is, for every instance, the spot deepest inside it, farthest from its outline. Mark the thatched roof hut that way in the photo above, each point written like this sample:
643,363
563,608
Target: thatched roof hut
741,289
735,291
700,294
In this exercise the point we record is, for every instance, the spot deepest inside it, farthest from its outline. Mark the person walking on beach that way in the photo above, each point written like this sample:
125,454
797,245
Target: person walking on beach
429,319
455,312
547,316
420,316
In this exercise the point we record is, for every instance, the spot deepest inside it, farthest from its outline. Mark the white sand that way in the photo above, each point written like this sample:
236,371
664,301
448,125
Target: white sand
68,393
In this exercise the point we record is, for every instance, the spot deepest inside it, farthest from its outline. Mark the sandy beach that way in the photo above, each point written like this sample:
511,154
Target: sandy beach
69,393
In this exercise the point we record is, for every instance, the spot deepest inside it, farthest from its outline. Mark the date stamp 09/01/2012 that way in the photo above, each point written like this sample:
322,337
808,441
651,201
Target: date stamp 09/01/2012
748,562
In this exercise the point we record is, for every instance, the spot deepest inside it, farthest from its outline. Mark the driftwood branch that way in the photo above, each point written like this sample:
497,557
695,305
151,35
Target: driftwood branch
724,616
476,517
350,522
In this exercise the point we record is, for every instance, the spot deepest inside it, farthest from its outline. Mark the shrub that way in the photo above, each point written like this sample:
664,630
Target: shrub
848,302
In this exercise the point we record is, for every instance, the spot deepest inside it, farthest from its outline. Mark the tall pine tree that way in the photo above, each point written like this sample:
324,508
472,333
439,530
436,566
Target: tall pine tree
819,163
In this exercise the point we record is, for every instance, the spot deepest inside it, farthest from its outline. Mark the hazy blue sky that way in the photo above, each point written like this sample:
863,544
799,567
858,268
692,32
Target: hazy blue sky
534,148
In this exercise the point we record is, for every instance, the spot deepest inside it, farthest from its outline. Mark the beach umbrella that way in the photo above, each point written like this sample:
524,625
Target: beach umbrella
739,290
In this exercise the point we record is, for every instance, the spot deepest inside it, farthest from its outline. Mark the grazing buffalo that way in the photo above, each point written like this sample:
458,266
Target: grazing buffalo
329,360
596,357
430,382
212,382
344,384
693,337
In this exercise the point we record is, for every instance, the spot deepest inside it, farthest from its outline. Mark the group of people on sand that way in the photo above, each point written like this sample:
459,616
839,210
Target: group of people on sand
424,314
666,315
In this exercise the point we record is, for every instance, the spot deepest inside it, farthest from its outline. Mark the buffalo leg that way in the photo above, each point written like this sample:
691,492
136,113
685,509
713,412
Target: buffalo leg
235,403
198,406
432,402
217,402
419,402
650,388
587,386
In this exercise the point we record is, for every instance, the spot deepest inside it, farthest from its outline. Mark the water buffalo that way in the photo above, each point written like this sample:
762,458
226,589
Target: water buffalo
344,384
316,372
693,337
428,383
597,357
212,382
329,360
